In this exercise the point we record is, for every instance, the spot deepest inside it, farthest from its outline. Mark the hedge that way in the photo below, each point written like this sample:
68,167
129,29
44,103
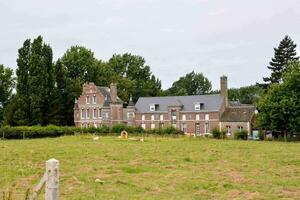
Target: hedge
20,132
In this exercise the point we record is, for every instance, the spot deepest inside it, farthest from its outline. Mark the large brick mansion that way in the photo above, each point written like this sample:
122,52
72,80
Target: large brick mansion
197,114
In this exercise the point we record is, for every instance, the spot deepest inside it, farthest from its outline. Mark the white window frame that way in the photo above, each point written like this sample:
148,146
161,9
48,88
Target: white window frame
152,117
82,113
152,125
152,107
99,113
161,117
95,113
183,117
88,113
88,99
206,117
106,115
94,99
143,117
197,117
143,126
197,106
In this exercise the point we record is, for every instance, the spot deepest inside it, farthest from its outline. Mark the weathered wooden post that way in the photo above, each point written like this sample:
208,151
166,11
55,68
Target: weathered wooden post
52,179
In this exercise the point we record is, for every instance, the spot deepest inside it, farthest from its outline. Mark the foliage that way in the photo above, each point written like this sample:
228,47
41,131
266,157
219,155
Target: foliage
279,109
6,86
246,95
283,55
216,133
190,84
241,135
133,76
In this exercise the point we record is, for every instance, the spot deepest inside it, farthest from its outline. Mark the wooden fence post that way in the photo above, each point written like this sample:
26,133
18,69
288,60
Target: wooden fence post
52,179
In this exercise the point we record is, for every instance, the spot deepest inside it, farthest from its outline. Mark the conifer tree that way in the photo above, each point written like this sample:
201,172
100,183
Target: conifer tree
283,55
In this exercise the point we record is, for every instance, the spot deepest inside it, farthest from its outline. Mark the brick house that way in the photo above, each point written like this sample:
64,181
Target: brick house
198,114
98,106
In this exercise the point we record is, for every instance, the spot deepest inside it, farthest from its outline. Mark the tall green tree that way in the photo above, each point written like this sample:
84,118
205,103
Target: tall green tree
283,55
81,66
190,84
19,111
279,108
40,81
134,77
6,86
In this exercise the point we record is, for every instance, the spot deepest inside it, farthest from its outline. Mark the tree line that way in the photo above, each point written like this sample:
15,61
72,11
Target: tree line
45,90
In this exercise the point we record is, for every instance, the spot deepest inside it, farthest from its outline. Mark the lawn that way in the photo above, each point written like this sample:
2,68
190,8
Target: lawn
159,168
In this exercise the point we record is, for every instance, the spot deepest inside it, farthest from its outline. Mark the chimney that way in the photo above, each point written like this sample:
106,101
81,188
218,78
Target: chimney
224,91
113,92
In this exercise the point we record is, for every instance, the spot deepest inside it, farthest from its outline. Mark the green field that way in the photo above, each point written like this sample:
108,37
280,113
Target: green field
159,168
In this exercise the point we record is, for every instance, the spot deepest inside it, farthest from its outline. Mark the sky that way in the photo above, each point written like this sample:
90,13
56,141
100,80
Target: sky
216,37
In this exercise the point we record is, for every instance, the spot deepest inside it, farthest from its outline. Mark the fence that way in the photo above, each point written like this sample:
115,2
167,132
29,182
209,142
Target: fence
50,180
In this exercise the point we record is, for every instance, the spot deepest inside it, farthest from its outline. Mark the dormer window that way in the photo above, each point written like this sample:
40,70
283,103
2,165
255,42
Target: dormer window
198,106
152,107
87,99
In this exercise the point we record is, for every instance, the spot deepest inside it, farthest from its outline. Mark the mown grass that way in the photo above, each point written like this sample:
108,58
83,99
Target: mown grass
159,168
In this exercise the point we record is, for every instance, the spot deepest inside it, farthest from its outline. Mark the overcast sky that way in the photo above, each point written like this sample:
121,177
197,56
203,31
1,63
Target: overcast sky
215,37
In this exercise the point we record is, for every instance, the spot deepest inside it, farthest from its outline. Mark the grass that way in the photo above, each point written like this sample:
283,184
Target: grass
159,168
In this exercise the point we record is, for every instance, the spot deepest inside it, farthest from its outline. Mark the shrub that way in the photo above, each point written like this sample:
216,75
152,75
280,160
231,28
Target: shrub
241,135
216,133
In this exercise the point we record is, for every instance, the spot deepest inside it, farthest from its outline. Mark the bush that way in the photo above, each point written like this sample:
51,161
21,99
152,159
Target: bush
216,133
241,135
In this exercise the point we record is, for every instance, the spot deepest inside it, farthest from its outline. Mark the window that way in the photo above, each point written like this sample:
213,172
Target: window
173,115
183,127
87,99
197,106
99,113
87,113
82,113
144,126
161,125
206,117
152,117
143,117
152,126
197,117
207,127
152,107
183,117
94,99
95,113
228,128
240,128
130,114
161,117
106,115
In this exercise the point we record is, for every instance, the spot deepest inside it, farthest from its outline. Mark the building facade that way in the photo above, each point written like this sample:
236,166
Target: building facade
195,115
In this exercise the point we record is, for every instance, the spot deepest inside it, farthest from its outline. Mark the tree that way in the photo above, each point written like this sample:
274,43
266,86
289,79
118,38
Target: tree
246,95
6,86
133,76
40,81
81,66
190,84
283,55
19,111
279,108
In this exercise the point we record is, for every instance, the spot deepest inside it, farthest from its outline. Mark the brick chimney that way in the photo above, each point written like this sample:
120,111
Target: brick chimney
113,92
224,90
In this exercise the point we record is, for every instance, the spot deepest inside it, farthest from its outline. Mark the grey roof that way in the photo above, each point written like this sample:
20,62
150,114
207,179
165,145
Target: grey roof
242,113
211,103
106,92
